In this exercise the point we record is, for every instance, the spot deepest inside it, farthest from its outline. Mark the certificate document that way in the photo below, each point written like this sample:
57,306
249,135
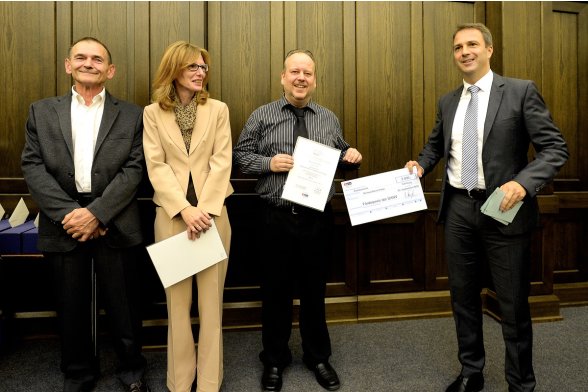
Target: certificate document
178,257
383,195
310,180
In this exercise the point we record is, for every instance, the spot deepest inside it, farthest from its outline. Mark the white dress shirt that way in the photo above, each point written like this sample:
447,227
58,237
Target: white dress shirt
454,164
85,123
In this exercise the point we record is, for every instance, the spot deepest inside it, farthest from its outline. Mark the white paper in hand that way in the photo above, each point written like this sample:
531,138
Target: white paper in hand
177,257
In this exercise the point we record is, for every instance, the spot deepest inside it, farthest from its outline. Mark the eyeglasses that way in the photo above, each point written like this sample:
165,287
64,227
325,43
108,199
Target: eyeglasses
195,67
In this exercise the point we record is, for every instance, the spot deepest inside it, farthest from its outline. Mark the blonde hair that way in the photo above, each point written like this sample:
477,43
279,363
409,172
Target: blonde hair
174,61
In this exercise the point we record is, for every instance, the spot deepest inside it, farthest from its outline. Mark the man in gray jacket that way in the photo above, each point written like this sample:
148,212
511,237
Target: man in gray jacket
83,162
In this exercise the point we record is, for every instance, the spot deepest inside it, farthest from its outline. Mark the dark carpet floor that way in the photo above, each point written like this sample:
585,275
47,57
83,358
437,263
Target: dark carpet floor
398,356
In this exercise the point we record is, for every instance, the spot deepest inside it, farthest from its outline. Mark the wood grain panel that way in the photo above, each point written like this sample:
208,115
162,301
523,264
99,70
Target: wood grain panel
27,61
391,257
565,82
108,22
246,67
173,21
384,94
320,29
520,58
138,83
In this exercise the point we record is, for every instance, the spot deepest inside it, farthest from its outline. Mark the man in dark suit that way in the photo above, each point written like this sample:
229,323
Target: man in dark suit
510,115
83,162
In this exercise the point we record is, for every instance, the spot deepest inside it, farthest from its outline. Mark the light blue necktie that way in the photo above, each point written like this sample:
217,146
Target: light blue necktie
469,148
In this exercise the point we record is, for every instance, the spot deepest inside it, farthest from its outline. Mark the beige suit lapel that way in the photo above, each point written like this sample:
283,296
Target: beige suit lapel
173,130
202,119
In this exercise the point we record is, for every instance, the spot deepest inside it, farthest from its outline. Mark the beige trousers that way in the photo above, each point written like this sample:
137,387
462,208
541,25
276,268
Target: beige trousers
183,362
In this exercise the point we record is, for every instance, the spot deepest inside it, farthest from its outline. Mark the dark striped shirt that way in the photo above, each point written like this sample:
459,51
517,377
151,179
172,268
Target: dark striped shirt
269,131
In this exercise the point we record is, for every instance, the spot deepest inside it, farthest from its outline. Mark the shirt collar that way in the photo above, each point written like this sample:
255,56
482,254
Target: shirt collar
485,83
311,105
79,99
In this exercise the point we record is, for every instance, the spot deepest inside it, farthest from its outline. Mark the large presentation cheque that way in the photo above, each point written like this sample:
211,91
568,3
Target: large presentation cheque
310,180
383,195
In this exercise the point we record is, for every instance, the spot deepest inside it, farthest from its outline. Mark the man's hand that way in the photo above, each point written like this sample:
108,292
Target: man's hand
281,163
352,156
81,224
412,164
513,193
197,221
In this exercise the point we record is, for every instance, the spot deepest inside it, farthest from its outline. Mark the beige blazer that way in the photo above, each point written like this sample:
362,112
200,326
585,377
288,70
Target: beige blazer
169,165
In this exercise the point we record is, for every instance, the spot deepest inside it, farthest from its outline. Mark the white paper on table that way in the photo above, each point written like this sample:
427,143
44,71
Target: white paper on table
2,211
383,195
19,215
310,179
36,222
178,257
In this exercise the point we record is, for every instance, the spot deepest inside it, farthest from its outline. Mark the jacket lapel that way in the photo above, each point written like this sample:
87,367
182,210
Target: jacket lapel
173,130
108,116
493,104
63,110
448,119
200,127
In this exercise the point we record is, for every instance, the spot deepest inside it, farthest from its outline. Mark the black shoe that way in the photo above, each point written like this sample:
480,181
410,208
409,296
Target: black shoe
271,380
72,385
139,386
473,383
326,376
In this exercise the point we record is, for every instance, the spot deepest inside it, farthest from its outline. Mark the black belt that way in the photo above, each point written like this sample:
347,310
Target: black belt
477,194
296,209
84,199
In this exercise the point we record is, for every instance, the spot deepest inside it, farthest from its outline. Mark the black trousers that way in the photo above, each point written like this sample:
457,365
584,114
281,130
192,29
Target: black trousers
118,290
295,251
470,238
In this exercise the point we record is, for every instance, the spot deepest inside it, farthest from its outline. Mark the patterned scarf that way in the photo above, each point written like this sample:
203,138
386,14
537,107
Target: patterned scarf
186,118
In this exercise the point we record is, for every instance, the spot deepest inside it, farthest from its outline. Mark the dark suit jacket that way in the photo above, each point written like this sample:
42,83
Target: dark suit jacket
516,116
48,168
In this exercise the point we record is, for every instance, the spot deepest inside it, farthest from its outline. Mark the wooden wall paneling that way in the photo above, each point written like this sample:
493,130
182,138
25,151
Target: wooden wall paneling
349,120
521,59
245,51
27,60
560,64
139,82
319,29
419,132
565,85
570,253
440,75
384,85
174,21
277,45
108,22
342,265
63,40
391,255
385,128
583,93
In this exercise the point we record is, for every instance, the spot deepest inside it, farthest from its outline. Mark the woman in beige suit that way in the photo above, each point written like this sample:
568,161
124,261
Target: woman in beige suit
187,142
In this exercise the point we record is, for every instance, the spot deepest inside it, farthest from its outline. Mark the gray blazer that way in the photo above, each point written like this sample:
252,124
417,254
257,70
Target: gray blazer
117,170
516,117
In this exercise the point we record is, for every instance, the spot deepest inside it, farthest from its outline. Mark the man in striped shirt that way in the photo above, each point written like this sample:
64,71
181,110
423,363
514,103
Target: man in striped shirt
296,240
